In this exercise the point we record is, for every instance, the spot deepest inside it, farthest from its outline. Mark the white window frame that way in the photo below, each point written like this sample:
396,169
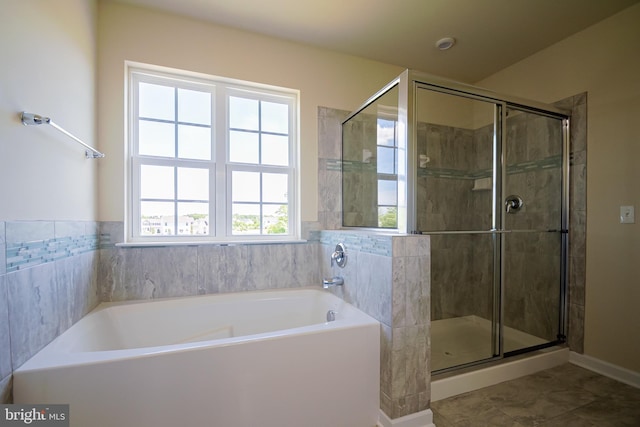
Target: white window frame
390,117
220,168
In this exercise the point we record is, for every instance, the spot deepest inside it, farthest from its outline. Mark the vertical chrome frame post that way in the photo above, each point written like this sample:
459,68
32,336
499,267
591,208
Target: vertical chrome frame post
407,155
564,288
498,224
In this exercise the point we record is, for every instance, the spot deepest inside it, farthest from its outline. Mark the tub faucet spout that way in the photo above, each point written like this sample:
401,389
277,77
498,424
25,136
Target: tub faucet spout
334,281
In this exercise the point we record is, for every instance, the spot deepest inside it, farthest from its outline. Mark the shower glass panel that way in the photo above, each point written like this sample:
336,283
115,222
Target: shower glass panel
455,146
463,327
532,250
370,164
455,138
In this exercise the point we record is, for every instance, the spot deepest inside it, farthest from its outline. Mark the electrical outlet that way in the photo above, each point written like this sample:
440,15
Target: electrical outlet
627,215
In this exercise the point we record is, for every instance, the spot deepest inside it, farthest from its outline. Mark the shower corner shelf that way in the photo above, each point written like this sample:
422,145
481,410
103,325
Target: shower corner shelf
482,184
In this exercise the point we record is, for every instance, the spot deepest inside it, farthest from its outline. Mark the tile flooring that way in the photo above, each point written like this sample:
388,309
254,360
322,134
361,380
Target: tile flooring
564,396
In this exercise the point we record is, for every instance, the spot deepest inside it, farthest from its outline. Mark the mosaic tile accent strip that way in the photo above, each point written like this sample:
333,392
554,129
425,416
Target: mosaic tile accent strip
516,168
336,165
513,169
21,255
361,241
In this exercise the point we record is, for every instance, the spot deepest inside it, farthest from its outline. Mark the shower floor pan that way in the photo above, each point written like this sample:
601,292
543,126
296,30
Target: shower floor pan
466,339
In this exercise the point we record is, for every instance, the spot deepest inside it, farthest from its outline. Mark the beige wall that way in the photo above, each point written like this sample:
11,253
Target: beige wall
603,60
137,34
48,52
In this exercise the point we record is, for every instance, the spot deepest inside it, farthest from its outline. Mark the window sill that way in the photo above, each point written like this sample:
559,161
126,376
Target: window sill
228,243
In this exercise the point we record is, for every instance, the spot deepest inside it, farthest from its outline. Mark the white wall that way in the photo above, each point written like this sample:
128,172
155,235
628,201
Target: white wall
48,55
603,60
142,35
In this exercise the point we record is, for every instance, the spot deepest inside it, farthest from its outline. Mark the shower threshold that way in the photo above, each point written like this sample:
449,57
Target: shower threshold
453,383
461,340
468,339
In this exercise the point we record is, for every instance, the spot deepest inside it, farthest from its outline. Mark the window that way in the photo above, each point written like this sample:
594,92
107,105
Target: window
211,159
387,169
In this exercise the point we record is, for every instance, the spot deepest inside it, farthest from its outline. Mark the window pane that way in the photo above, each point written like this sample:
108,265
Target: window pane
275,150
194,142
156,218
386,160
245,219
275,117
245,186
156,139
387,192
156,182
156,102
275,219
386,132
193,184
243,147
194,106
275,187
387,217
195,210
243,113
193,218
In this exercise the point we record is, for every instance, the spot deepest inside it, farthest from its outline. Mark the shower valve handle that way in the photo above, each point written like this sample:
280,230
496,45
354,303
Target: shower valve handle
513,203
339,256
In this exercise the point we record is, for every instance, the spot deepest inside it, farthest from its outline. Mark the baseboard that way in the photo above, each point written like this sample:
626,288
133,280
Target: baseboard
485,377
419,419
607,369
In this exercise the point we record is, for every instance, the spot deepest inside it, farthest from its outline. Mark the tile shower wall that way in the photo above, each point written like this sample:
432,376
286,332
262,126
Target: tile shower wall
447,201
577,218
532,261
48,272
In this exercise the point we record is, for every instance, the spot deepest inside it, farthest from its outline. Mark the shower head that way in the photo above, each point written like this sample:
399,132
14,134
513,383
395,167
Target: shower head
33,119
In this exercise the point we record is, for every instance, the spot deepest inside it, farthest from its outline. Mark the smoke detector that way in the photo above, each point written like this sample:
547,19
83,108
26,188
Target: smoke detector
445,43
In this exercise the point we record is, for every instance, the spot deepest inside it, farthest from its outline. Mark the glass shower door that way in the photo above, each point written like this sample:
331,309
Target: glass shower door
533,239
455,142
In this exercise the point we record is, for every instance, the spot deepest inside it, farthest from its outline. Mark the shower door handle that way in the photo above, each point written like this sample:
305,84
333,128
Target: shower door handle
513,203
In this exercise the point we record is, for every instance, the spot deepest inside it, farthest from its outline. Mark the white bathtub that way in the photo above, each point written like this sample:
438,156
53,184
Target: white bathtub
247,359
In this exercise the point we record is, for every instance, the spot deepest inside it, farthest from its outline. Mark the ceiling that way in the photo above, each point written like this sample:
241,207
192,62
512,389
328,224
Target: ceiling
490,34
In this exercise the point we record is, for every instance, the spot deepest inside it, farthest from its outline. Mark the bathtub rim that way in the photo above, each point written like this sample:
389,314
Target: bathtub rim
52,356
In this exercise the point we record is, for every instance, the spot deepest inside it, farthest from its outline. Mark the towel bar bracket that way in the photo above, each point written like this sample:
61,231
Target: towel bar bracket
30,119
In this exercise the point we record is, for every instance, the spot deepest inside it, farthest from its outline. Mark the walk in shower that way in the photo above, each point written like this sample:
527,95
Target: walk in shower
485,176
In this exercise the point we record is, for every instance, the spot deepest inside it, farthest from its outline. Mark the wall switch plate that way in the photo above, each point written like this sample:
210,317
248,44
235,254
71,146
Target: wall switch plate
627,215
